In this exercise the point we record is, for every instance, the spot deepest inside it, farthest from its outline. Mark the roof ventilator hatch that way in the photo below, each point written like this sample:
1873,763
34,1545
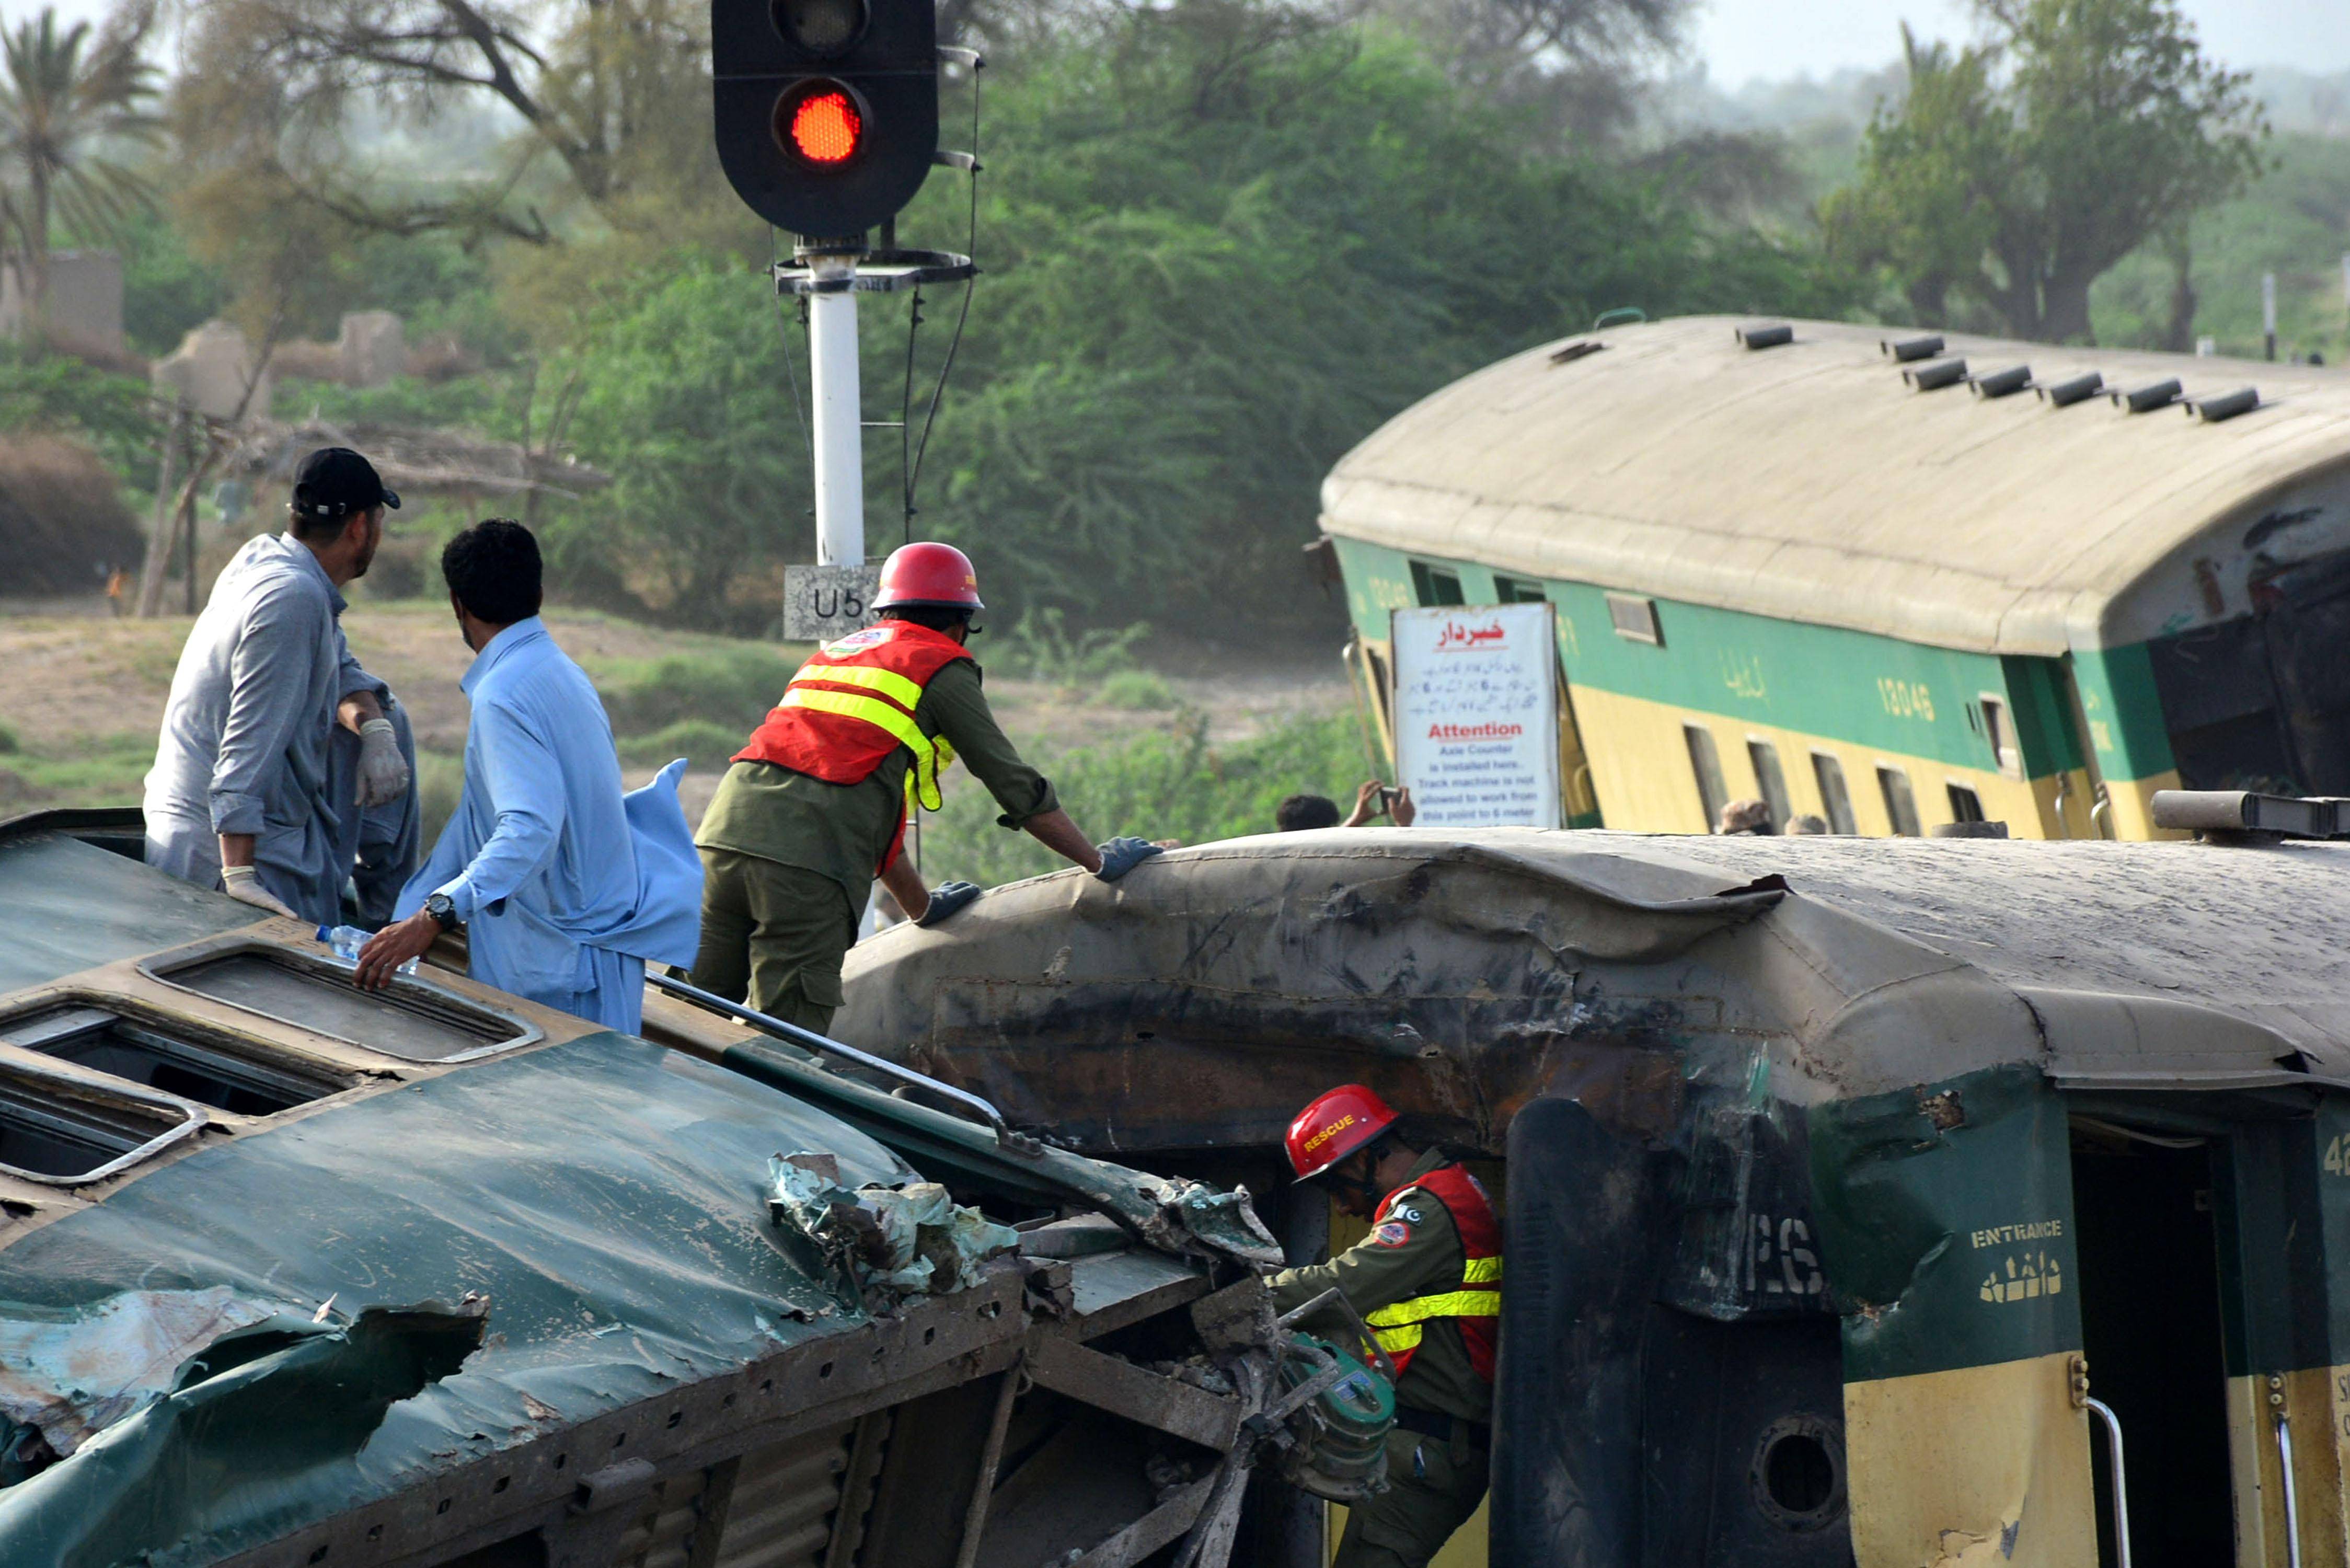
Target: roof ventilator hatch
2002,383
1933,377
1770,336
2080,389
1906,350
2226,406
2146,398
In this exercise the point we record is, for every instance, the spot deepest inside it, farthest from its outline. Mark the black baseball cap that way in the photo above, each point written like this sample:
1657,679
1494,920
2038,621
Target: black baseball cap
335,482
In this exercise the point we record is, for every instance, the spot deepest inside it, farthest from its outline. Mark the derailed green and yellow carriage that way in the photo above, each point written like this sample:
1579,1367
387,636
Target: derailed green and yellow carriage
291,1275
1847,1181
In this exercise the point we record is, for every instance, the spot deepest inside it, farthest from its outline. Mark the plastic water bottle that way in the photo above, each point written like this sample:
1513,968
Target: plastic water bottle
347,941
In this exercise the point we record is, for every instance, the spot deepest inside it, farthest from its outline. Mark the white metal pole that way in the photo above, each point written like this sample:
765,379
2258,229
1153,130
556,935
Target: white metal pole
2268,312
839,427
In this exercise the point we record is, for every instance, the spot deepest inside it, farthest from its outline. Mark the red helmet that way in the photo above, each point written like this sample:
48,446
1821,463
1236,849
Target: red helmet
938,576
1335,1126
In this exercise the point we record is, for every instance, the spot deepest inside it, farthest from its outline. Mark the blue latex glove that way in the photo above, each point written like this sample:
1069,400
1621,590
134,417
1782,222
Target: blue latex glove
1120,856
945,899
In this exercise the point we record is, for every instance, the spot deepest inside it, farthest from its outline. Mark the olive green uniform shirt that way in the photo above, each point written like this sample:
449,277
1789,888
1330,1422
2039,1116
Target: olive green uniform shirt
841,831
1414,1251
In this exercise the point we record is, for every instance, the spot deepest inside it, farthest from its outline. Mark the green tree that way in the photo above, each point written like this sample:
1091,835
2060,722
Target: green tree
2017,172
72,103
1219,251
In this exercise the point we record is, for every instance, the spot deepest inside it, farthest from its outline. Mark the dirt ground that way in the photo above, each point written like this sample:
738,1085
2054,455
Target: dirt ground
76,684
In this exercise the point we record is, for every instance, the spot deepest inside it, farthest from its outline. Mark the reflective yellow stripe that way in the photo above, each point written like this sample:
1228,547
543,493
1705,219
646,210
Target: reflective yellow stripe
1482,1270
923,778
1393,1340
888,682
1450,1304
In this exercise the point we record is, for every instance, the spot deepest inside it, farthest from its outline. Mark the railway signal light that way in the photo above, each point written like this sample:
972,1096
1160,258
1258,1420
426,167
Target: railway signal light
826,111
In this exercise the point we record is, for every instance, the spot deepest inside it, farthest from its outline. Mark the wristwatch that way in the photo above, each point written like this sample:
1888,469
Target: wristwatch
444,912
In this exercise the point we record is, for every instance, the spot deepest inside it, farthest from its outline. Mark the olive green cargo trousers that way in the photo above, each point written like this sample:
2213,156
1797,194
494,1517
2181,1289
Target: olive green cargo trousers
773,934
1433,1486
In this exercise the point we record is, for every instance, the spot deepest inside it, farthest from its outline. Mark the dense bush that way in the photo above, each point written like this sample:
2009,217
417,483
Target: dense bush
1169,785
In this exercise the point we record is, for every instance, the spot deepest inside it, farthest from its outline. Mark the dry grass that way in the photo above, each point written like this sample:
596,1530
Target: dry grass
83,696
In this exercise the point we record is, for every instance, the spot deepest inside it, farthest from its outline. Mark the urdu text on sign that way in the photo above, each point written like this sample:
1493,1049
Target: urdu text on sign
1476,711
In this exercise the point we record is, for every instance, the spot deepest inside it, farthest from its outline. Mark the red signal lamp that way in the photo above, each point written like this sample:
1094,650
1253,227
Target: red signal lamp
821,124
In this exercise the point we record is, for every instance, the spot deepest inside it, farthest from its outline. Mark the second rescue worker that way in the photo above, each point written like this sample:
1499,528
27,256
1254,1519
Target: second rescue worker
814,806
1428,1282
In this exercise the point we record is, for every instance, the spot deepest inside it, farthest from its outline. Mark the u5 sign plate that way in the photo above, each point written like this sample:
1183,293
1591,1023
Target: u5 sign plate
821,603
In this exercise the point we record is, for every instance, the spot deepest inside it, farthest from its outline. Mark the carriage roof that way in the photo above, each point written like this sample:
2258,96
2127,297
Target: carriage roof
1808,482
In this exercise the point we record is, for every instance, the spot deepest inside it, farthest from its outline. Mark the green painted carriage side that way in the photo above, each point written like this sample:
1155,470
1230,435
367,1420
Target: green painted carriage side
1850,686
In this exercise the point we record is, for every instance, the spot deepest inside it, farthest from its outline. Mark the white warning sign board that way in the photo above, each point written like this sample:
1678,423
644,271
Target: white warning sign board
1476,714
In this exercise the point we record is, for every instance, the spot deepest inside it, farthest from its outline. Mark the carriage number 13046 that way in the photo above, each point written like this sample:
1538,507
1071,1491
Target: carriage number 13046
1906,698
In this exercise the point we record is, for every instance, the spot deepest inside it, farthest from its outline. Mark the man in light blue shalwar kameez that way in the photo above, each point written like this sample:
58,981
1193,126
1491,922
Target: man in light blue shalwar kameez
565,886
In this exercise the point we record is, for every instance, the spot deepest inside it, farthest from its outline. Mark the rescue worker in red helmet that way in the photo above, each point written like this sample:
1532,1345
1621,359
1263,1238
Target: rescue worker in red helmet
814,806
1428,1281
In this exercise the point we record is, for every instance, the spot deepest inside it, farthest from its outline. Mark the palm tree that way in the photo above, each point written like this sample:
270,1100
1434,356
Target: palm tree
70,105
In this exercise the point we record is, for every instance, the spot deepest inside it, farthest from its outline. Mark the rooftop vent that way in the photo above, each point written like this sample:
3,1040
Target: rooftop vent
2080,389
1909,348
2153,395
2001,383
1933,377
2226,406
1766,337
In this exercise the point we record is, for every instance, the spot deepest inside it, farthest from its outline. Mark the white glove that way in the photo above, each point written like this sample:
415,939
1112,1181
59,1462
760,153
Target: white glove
243,884
383,773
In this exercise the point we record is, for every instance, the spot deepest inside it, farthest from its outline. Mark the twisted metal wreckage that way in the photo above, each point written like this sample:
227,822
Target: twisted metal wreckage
1858,1193
296,1274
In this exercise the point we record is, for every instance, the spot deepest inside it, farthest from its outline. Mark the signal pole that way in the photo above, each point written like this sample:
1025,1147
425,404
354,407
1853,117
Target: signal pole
839,434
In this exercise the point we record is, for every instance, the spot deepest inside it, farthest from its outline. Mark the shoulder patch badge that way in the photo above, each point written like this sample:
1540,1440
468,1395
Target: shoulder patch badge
1392,1232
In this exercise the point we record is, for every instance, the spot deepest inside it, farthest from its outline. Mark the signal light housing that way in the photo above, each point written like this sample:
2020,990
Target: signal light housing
826,111
819,123
825,28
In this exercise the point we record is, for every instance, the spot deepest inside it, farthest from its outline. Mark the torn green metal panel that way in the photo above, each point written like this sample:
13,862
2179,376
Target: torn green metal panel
258,1424
72,906
1179,1216
605,1196
1946,1221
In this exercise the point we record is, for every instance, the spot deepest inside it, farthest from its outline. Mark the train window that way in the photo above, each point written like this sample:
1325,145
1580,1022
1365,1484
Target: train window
1999,731
1966,805
1836,799
414,1020
1705,761
1900,803
1635,618
1436,585
176,1060
62,1130
1379,685
1771,780
1517,591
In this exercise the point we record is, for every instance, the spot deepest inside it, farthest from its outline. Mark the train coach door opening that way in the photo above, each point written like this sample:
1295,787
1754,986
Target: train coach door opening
2150,1325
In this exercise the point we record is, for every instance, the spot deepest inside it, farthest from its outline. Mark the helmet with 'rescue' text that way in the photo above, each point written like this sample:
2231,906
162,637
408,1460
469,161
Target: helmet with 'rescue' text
928,575
1334,1126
